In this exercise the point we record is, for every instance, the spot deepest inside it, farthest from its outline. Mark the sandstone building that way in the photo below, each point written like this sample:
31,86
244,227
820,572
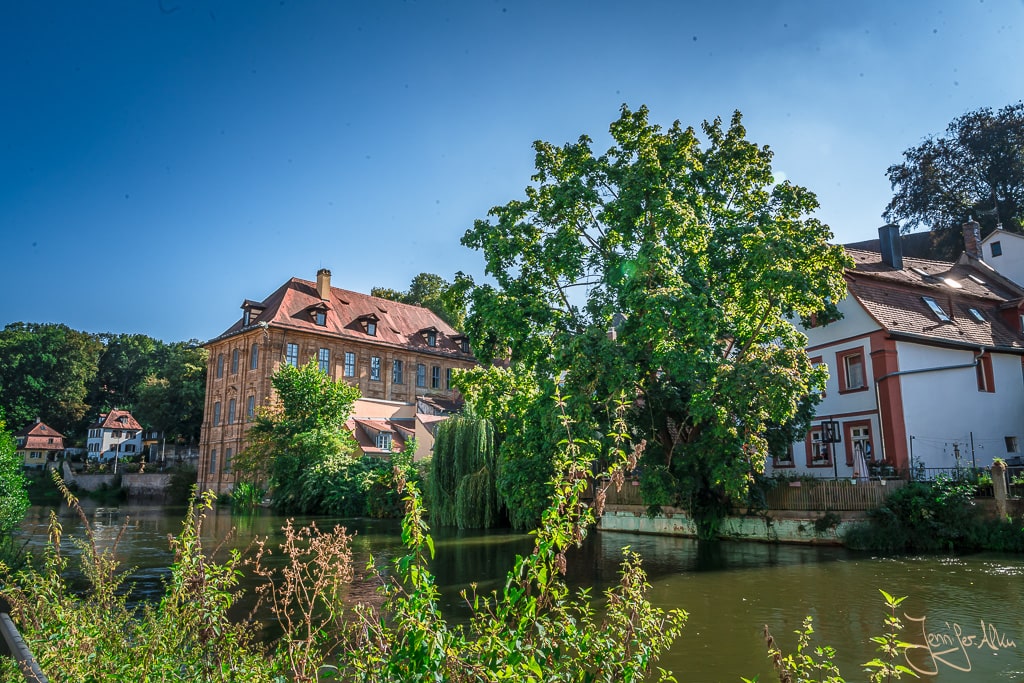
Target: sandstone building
391,351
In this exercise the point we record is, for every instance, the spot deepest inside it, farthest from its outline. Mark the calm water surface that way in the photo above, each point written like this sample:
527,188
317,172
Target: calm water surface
972,607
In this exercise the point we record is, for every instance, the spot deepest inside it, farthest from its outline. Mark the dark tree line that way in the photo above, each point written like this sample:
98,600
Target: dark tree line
67,377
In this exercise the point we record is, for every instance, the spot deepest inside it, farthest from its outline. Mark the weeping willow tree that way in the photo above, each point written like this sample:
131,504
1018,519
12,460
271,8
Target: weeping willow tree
464,473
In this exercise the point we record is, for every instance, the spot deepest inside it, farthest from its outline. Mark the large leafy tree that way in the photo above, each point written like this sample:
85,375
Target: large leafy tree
125,363
975,170
300,442
45,372
434,292
665,269
171,398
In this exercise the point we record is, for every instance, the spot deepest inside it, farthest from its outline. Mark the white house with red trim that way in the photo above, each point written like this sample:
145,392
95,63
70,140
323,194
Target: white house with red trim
1004,251
925,367
114,435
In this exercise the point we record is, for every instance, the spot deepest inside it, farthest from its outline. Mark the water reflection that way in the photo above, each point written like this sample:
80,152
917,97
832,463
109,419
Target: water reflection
730,589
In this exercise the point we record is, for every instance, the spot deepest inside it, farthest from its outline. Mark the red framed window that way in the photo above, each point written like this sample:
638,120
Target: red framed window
983,370
819,452
852,370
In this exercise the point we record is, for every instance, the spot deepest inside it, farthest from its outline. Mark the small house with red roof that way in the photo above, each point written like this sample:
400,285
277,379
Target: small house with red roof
38,444
114,436
925,367
394,353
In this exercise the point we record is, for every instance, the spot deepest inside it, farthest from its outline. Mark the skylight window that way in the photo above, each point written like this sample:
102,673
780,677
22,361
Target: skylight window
976,314
936,309
952,283
975,278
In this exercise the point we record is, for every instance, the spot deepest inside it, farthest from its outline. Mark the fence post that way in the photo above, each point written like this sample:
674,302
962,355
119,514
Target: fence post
999,488
12,645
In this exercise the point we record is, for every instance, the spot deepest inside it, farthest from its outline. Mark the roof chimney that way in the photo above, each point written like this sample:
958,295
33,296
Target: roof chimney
323,283
890,245
972,238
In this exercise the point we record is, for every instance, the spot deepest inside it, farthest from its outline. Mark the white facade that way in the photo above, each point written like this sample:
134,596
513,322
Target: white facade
1004,251
119,436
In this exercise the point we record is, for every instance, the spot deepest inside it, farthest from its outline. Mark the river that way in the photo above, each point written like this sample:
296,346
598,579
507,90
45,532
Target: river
970,610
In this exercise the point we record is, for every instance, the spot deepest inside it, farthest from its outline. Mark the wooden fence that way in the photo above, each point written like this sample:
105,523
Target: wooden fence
801,495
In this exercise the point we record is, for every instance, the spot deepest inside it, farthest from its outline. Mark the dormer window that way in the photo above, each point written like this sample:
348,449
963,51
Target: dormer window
320,317
431,338
465,344
369,323
246,314
936,309
384,441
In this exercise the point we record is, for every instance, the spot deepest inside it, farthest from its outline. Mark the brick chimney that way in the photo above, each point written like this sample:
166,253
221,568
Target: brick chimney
972,239
323,283
891,246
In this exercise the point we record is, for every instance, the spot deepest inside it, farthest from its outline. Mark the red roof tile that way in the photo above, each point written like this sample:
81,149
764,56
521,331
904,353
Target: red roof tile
894,298
40,437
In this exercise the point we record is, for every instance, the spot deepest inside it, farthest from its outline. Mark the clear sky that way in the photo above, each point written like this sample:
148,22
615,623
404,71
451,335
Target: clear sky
162,160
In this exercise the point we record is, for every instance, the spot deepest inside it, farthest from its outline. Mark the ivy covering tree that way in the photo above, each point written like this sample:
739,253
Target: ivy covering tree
668,269
975,170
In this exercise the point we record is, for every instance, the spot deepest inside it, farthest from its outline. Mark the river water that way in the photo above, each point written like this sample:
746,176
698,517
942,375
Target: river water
965,613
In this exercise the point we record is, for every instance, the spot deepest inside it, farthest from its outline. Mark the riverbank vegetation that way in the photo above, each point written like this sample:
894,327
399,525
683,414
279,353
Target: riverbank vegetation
534,629
935,516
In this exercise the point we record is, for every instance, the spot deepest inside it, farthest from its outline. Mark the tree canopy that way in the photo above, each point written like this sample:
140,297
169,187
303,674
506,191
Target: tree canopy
975,170
301,441
434,292
666,270
13,498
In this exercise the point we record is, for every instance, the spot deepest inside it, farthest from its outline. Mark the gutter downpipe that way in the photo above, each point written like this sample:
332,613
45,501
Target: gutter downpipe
898,373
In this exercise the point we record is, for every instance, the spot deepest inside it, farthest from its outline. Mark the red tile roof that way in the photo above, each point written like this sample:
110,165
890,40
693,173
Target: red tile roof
113,420
365,431
398,324
40,437
894,299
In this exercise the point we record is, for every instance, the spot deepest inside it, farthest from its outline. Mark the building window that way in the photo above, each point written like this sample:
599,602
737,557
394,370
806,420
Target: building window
231,412
245,318
371,328
431,338
129,448
396,372
227,461
852,376
234,362
213,461
321,318
784,459
465,344
936,309
254,357
216,413
858,445
291,356
448,379
435,377
350,364
324,360
983,371
818,451
375,368
996,248
1011,444
384,441
220,365
421,375
815,362
116,434
250,408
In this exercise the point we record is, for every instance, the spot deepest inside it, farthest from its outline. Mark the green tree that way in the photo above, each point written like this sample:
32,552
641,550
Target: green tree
13,498
300,443
669,270
171,398
45,372
434,292
463,473
123,366
975,170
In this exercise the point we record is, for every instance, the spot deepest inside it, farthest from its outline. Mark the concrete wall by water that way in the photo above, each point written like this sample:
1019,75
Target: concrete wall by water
777,526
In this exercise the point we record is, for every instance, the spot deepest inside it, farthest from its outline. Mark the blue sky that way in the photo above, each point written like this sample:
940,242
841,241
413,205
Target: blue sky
162,160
